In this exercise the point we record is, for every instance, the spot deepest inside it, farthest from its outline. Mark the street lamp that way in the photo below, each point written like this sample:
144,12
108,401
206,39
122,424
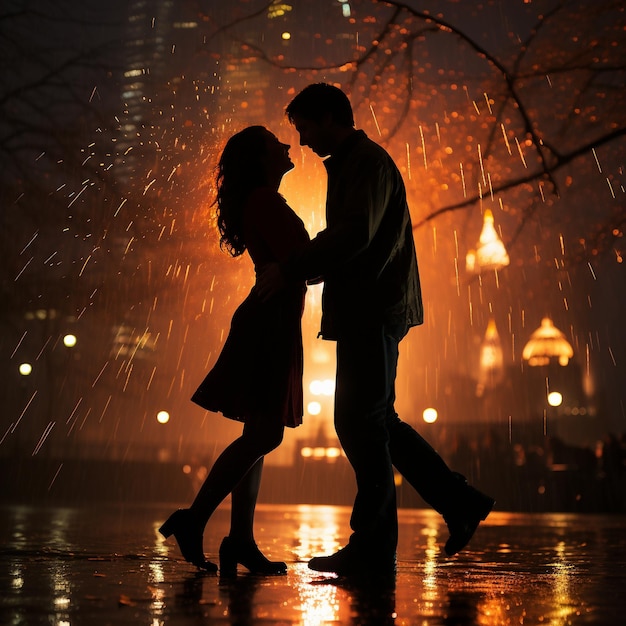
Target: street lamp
69,340
163,417
25,369
555,398
430,415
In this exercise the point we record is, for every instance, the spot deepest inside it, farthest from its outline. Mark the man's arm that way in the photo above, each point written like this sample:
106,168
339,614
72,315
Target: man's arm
357,214
361,213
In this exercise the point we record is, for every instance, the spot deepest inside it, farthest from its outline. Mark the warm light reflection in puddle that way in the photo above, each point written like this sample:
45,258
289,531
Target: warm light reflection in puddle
493,610
161,548
431,568
156,572
17,580
60,584
157,603
157,575
317,535
319,603
317,532
563,572
61,590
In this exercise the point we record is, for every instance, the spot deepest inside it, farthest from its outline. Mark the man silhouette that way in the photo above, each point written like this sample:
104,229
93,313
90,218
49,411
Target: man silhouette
371,298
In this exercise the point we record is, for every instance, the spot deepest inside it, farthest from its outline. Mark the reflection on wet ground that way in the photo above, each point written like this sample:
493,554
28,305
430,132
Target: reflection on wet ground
108,565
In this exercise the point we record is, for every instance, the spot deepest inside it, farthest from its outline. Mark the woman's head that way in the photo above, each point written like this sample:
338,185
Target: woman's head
243,156
251,158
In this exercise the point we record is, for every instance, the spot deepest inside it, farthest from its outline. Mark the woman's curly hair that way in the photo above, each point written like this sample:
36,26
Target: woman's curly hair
240,170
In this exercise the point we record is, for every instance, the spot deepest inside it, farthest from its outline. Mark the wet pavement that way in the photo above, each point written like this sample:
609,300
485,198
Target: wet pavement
108,565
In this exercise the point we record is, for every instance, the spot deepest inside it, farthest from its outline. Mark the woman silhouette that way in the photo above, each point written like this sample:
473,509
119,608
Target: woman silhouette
257,378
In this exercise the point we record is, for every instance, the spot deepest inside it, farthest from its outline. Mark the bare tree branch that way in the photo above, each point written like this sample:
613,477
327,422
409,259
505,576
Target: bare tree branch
560,161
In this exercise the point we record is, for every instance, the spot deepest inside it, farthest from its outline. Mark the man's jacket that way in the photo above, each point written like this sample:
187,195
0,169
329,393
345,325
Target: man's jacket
366,254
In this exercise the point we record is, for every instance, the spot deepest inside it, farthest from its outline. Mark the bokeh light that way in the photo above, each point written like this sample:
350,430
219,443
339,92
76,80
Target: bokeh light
430,415
25,369
163,417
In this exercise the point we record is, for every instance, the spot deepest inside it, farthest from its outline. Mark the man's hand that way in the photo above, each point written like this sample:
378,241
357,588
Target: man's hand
269,281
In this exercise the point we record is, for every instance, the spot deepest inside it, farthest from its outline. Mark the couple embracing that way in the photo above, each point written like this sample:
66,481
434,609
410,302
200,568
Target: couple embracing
371,298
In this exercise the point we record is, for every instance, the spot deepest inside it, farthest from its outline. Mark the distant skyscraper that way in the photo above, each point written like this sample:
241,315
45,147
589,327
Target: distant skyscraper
144,61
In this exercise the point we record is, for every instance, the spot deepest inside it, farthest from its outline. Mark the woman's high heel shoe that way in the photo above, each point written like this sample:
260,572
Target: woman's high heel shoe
188,533
247,554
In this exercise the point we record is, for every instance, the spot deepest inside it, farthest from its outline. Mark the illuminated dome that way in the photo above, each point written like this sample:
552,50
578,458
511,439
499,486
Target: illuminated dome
545,343
490,253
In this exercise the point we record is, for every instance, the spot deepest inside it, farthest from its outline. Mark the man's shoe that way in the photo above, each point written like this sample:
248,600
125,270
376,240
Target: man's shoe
346,562
463,525
337,563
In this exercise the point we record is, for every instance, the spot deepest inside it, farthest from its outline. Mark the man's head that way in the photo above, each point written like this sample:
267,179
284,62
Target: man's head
322,115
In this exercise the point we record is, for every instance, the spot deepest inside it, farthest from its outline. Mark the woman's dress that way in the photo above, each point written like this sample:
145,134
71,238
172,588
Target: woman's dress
259,370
